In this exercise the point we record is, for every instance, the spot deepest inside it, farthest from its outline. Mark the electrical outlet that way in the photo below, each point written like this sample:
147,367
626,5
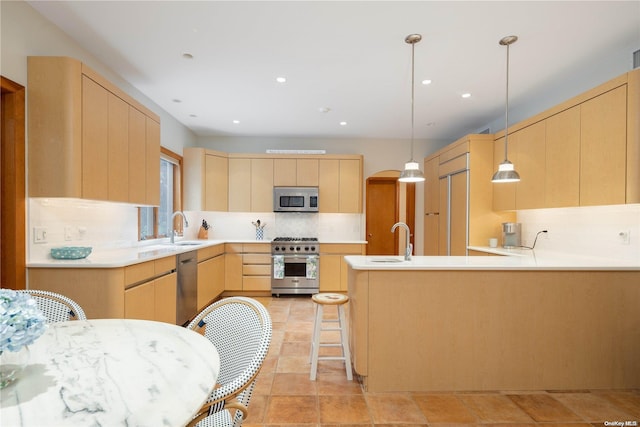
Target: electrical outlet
625,237
39,235
68,233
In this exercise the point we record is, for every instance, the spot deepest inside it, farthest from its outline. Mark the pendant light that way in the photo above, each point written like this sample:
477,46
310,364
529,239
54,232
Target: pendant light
506,171
412,172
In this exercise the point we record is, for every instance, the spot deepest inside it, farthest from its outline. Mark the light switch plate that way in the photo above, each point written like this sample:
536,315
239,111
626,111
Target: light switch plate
39,235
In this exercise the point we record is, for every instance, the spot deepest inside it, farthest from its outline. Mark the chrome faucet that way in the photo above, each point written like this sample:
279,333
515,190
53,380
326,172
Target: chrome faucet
173,231
409,249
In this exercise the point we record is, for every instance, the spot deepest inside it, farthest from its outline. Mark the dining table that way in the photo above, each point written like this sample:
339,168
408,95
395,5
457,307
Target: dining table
112,372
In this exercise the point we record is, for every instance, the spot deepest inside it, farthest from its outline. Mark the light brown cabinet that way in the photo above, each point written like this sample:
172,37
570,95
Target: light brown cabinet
150,290
206,176
583,152
85,139
211,274
250,184
458,195
248,267
340,185
295,172
333,267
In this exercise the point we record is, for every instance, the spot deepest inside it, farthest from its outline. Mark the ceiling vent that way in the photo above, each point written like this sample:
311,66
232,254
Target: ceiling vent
636,59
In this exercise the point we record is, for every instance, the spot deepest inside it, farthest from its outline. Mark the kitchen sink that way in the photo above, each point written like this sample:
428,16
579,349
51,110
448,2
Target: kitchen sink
390,260
188,243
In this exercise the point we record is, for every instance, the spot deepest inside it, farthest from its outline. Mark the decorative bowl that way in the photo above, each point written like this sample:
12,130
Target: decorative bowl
71,252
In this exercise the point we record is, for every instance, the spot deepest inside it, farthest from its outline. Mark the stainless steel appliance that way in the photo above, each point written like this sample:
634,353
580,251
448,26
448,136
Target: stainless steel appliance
295,264
186,296
511,232
295,199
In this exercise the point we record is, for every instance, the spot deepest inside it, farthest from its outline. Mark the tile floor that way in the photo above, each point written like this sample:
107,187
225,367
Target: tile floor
285,395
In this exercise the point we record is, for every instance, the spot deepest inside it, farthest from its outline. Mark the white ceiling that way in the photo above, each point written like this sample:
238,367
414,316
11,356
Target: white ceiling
349,57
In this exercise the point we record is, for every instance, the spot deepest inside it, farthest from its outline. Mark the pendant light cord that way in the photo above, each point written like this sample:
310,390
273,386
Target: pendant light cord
413,49
506,114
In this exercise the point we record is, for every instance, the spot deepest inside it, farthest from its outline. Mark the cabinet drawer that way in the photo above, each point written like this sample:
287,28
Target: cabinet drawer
342,248
233,247
256,270
256,283
210,252
164,265
257,248
138,272
256,259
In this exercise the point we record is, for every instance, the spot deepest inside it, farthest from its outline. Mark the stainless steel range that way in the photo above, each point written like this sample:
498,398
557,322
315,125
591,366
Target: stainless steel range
295,264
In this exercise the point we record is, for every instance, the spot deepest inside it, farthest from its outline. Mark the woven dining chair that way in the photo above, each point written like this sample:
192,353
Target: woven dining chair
56,307
240,329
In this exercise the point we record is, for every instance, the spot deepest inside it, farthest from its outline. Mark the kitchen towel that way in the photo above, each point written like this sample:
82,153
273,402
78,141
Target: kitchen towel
278,266
312,267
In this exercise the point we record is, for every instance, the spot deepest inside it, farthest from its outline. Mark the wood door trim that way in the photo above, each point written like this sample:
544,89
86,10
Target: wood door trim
12,156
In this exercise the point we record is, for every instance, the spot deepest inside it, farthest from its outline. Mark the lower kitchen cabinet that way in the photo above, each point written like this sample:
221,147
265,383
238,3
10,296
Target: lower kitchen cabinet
333,267
140,291
248,267
211,274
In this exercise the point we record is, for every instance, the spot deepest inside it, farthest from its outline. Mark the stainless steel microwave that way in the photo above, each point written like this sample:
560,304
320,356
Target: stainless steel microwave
295,199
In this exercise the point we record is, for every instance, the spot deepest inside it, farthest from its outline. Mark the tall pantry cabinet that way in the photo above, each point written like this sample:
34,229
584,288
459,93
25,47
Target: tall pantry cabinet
458,197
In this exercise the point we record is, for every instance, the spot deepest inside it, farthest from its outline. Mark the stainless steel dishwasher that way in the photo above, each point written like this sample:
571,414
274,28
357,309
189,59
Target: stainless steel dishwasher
186,297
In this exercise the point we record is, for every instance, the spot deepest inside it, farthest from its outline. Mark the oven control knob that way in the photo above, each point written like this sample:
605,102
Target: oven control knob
276,249
291,248
313,248
306,248
298,248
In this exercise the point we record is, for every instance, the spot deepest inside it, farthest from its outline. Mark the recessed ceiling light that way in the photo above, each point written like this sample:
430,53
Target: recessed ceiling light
466,95
281,79
235,122
192,115
343,123
324,109
426,82
177,101
187,55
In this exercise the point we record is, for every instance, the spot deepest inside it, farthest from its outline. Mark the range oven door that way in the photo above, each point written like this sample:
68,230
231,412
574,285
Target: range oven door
294,280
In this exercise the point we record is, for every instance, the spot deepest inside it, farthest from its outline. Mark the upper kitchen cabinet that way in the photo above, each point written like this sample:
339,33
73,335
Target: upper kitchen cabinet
250,184
301,172
206,177
340,184
583,152
87,138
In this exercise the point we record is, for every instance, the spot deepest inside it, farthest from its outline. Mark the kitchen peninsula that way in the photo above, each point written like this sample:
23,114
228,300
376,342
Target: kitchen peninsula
543,322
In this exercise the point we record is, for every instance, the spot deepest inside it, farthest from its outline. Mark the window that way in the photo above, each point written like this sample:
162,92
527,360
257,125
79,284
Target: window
155,222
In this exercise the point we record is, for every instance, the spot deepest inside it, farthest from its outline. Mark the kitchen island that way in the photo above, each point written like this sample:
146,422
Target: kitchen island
544,322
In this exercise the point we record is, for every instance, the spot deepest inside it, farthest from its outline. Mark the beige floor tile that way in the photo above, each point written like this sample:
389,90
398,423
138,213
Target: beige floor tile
293,364
263,384
337,384
544,408
350,409
295,348
393,408
293,384
292,410
444,408
592,408
494,408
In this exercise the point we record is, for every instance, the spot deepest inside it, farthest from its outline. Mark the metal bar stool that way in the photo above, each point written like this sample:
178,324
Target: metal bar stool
338,300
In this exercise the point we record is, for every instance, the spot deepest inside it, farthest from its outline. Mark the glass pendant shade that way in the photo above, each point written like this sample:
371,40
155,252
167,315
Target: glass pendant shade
411,172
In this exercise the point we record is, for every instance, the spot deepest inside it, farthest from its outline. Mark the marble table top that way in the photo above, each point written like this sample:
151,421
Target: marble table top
112,372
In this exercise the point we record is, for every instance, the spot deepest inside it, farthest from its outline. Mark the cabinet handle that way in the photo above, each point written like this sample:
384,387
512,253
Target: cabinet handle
432,214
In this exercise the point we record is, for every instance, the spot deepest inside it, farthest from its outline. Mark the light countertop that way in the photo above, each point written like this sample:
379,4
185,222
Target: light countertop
538,260
122,257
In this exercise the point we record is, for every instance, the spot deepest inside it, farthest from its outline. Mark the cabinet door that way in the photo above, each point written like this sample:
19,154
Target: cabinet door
329,184
504,193
603,142
562,177
350,186
284,172
233,272
431,186
458,215
211,278
530,147
216,183
152,183
240,185
261,185
118,146
95,144
329,273
431,234
307,172
137,302
443,218
165,298
137,157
